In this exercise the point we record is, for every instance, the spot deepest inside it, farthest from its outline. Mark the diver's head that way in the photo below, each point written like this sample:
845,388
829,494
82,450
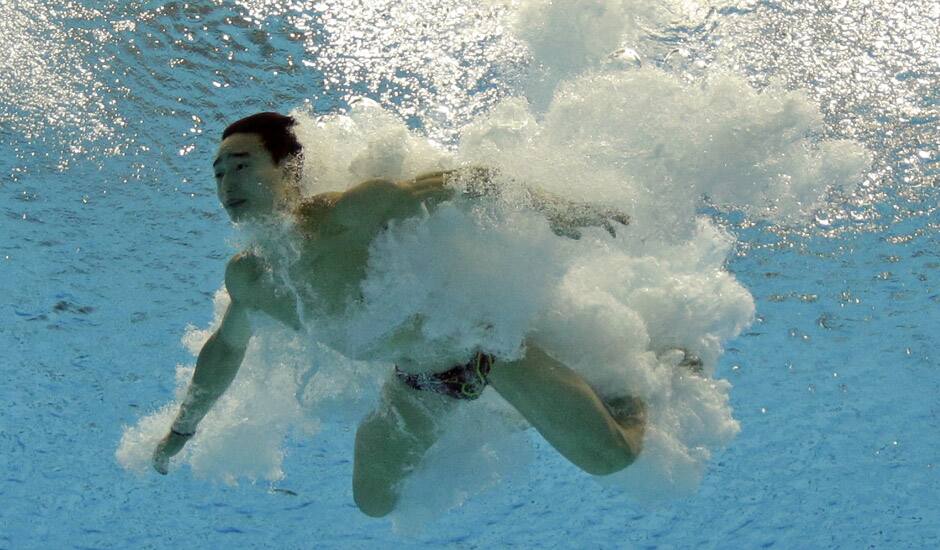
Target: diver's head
255,169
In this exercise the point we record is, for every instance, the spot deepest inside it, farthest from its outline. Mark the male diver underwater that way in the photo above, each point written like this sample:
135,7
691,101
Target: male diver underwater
257,179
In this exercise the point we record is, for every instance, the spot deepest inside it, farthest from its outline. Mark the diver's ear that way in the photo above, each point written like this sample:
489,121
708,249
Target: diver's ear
293,172
290,182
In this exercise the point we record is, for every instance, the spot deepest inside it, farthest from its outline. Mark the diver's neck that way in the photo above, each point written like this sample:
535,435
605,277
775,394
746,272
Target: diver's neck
275,238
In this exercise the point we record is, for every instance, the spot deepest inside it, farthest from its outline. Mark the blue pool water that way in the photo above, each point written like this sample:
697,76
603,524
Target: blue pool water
113,244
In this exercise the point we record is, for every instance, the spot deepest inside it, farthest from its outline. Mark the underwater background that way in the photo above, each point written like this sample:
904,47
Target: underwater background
780,162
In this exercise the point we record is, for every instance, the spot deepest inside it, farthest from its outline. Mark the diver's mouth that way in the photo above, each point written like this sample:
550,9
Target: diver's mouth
235,202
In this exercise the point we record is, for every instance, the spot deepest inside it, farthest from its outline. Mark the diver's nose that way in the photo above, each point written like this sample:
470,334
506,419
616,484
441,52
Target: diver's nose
226,185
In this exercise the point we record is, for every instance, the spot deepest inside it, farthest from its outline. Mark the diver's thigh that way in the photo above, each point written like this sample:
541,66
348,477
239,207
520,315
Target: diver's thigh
373,476
391,441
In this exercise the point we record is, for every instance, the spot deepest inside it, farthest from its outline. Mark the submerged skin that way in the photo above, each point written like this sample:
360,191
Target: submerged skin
336,230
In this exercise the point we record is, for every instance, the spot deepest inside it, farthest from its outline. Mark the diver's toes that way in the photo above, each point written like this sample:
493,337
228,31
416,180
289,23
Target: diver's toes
567,232
627,410
693,363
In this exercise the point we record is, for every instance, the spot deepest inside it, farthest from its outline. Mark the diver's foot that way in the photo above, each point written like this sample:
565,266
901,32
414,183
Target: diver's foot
628,411
630,414
692,362
681,357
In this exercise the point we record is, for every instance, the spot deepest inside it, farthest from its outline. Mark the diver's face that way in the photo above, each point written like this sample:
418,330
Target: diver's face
249,184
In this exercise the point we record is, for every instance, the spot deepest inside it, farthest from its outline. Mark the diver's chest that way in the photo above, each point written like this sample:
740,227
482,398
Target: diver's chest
332,266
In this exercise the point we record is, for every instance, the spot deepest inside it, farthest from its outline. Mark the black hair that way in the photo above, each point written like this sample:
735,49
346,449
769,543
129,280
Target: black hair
274,130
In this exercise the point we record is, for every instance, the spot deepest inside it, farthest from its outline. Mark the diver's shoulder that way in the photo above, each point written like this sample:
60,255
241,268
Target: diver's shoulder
369,193
318,203
370,204
312,211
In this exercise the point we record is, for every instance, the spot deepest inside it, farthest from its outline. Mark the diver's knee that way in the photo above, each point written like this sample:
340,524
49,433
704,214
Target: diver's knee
614,455
374,503
372,483
610,462
372,490
631,416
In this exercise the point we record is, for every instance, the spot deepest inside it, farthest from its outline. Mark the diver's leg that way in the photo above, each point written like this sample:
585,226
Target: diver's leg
570,415
391,441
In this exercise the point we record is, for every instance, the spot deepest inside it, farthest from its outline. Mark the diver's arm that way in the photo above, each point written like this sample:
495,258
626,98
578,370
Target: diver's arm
218,362
471,182
216,367
564,216
380,200
374,202
371,204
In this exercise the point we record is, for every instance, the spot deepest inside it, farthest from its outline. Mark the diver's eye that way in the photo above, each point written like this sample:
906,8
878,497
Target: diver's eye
240,166
218,175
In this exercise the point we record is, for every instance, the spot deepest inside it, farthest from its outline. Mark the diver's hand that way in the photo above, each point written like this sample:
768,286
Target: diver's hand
168,447
564,219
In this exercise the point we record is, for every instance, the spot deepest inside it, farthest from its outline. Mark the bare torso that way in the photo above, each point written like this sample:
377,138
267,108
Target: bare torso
329,251
333,232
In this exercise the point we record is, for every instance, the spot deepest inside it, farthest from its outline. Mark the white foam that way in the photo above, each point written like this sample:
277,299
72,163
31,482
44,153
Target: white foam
653,145
489,274
287,384
343,150
565,38
483,443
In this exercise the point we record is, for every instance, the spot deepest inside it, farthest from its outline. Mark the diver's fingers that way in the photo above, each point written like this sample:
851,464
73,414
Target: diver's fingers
161,459
169,446
161,464
616,215
564,230
620,217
